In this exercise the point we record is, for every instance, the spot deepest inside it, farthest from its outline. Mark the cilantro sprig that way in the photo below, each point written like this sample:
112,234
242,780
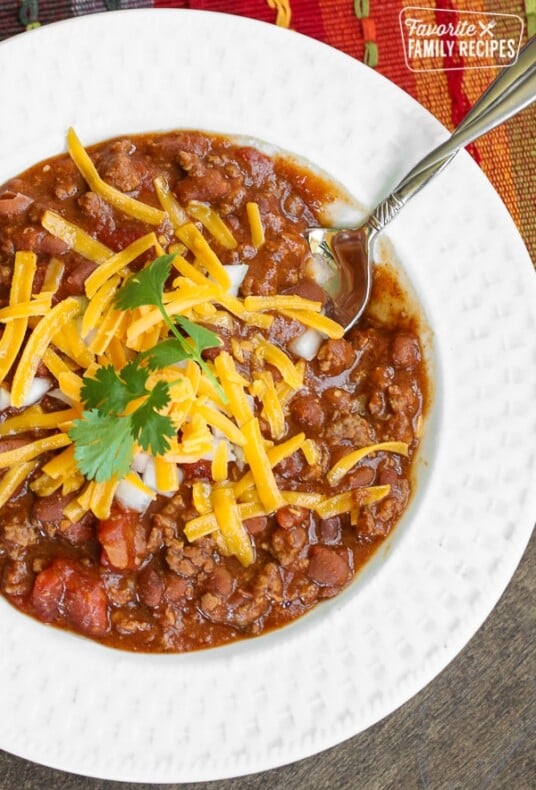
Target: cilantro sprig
104,437
146,287
120,409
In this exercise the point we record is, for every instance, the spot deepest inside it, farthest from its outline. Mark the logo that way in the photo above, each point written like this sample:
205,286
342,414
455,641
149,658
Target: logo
448,40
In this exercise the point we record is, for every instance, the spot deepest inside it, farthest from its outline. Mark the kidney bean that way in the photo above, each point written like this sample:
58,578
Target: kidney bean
405,350
307,411
150,587
335,356
292,516
50,508
327,567
221,582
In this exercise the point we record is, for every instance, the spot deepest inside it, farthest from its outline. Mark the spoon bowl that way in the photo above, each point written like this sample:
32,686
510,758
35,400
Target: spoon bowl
346,258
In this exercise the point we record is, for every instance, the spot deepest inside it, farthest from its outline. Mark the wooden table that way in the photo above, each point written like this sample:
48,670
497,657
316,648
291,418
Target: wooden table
472,728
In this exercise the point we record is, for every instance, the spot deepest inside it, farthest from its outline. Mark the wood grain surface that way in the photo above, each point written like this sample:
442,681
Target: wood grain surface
472,728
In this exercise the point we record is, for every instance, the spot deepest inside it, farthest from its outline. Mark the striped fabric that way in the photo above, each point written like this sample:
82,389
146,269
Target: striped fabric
369,30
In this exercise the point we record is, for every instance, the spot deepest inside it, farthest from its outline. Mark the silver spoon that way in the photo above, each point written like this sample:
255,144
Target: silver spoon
348,252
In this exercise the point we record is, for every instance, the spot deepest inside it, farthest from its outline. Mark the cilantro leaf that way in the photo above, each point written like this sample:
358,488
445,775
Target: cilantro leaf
110,391
151,428
167,352
134,378
146,286
104,437
159,396
105,391
103,445
153,433
202,337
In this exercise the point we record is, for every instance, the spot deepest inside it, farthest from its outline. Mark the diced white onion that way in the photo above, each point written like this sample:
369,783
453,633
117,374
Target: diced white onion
89,337
240,457
5,398
143,464
219,436
139,462
59,395
236,272
149,474
131,497
307,344
38,388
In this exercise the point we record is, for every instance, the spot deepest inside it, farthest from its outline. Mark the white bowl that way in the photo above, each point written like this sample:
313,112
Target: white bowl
77,706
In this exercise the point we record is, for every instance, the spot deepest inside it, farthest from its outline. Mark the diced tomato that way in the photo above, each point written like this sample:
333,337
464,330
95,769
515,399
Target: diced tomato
69,593
119,238
198,470
48,591
87,605
122,537
259,165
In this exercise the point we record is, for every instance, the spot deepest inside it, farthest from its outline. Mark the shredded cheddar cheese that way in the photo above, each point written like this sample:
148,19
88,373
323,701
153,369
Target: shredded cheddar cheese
166,475
349,500
235,423
27,452
102,495
260,466
255,224
13,479
231,526
281,302
275,455
53,276
55,363
326,326
108,193
34,418
111,325
236,307
234,387
115,263
213,223
276,356
190,272
68,341
76,238
311,452
38,306
201,497
347,462
192,237
102,298
177,215
61,465
220,462
36,346
21,291
272,408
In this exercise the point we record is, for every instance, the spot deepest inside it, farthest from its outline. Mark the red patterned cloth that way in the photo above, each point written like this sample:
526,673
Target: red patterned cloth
371,31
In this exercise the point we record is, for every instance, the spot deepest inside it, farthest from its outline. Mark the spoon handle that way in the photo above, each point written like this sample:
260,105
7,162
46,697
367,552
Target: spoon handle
511,92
